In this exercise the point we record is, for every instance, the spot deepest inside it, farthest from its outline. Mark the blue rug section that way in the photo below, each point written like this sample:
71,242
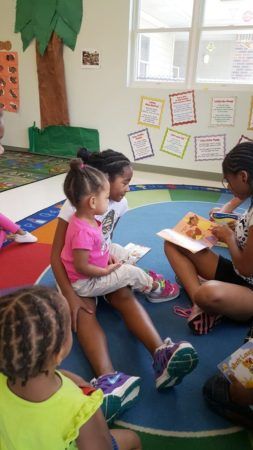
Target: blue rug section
169,410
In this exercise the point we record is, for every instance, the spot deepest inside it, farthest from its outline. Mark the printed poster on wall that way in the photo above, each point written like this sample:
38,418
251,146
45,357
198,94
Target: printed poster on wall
151,110
244,139
182,108
223,111
209,148
250,124
141,144
9,84
175,143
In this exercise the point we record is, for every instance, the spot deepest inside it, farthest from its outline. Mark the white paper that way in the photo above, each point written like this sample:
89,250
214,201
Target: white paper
223,111
141,144
151,111
209,148
175,143
182,108
136,252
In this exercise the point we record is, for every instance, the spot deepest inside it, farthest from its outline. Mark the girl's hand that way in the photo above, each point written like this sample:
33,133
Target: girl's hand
222,232
76,303
112,267
113,259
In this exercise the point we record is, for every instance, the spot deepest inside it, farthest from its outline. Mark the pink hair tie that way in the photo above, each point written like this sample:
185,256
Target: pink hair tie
82,166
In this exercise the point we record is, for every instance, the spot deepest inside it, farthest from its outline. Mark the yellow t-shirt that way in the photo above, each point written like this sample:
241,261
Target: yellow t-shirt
49,425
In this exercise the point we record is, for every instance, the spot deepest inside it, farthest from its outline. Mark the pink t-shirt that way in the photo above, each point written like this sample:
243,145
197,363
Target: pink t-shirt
81,235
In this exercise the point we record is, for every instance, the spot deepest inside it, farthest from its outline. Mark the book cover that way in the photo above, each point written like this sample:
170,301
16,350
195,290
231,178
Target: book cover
240,365
136,252
193,232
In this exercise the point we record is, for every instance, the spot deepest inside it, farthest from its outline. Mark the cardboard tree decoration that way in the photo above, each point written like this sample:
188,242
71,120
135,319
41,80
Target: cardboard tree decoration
52,23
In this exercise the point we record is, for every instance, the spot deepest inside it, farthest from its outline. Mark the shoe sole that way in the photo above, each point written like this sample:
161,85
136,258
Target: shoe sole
111,407
128,393
202,323
183,361
161,300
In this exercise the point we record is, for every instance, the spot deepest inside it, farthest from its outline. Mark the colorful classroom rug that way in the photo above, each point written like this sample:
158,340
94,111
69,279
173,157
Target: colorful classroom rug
173,420
20,168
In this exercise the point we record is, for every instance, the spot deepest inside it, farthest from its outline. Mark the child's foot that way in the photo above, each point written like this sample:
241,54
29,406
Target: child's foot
125,387
164,292
25,238
200,322
172,362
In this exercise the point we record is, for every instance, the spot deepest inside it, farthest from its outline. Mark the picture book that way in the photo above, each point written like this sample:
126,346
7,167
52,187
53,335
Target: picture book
240,365
136,252
193,232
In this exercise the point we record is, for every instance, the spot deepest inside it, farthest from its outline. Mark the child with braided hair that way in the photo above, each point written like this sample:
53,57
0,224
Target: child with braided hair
51,411
228,290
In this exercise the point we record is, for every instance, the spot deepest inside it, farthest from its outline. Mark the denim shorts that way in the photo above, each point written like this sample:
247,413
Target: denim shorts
114,444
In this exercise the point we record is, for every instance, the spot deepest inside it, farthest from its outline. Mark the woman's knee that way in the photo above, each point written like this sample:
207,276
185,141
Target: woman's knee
121,297
208,296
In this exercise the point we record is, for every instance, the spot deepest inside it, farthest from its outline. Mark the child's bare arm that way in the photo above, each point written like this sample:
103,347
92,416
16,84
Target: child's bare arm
79,381
95,435
231,205
81,263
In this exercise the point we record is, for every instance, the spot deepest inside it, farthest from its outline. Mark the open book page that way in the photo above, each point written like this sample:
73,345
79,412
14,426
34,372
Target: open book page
136,252
193,232
240,365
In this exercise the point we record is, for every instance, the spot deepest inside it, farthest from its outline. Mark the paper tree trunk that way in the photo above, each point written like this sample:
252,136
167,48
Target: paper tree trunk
52,85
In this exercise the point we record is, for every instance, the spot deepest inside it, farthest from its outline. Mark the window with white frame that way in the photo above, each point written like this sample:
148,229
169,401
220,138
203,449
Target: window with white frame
191,42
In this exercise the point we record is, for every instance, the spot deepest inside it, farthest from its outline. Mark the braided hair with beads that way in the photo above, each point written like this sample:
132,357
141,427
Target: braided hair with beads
33,327
108,161
238,159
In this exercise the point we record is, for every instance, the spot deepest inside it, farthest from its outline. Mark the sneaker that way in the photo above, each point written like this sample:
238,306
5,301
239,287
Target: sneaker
200,322
172,362
168,291
119,390
154,275
25,238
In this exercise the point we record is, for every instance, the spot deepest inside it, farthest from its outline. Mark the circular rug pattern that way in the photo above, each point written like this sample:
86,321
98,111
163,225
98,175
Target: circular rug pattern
181,411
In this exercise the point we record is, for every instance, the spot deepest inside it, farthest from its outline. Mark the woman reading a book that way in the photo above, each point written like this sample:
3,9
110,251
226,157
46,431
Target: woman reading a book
228,290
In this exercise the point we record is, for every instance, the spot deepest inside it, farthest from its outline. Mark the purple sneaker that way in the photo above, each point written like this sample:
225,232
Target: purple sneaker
172,362
120,392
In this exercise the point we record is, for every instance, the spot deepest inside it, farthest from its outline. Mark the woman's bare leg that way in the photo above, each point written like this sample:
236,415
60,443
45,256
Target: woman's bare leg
230,300
126,439
93,340
136,318
189,265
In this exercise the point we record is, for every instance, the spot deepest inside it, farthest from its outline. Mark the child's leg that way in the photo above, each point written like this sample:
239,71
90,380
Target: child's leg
120,390
8,225
136,318
93,341
188,266
230,300
171,361
125,275
126,439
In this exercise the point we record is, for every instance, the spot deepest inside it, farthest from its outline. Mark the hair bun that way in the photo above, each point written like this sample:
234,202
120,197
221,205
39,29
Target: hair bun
76,164
84,154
